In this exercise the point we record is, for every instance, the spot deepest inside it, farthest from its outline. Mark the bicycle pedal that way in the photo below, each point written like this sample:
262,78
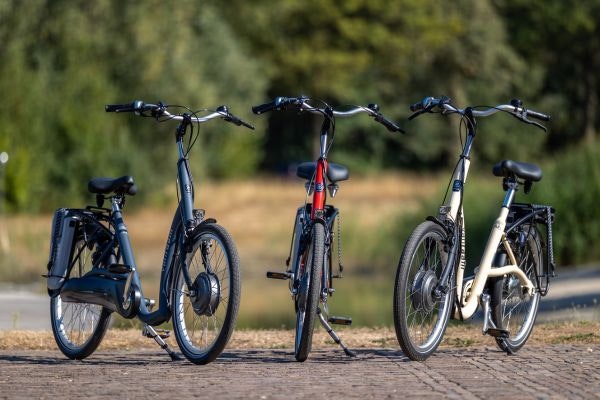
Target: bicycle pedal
499,333
340,320
119,268
279,275
163,333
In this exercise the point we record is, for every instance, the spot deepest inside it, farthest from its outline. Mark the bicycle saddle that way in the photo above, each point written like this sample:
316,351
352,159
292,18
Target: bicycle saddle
508,168
335,172
122,185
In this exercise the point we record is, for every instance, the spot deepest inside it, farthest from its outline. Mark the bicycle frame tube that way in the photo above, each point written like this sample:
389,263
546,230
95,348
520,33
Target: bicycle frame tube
186,187
485,270
163,313
469,302
319,194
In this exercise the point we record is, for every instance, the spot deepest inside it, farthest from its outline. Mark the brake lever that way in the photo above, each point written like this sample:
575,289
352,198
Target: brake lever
523,118
542,127
416,114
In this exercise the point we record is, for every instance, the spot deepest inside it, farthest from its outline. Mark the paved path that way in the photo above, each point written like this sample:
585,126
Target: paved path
549,372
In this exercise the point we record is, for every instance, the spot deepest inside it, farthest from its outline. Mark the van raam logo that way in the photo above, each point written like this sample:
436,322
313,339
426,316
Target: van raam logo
319,187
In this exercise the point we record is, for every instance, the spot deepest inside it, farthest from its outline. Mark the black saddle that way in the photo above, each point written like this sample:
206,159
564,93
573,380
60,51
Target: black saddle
335,172
508,168
122,185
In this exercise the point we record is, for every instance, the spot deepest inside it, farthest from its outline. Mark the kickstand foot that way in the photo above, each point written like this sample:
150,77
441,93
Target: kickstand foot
334,335
149,331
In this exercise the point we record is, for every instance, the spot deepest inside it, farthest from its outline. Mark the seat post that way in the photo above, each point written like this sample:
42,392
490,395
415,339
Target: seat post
511,185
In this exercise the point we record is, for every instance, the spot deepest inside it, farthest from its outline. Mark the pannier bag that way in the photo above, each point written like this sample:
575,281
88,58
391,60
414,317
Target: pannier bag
64,224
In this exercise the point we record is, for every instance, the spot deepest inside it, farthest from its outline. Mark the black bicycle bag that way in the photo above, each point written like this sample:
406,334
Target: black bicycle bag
64,225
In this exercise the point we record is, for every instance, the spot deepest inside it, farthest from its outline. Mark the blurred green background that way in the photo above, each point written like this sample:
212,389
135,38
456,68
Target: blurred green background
62,61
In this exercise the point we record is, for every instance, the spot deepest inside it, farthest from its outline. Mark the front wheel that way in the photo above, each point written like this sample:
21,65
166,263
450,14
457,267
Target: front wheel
421,316
204,314
307,299
512,309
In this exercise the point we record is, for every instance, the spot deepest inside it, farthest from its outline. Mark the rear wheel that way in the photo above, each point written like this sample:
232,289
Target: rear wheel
204,315
421,317
78,328
307,298
513,310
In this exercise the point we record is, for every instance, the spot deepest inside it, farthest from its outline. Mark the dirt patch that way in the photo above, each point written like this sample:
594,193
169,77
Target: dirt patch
464,335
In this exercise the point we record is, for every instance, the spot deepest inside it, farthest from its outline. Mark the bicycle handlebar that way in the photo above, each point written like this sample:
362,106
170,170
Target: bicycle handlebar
279,103
428,104
160,111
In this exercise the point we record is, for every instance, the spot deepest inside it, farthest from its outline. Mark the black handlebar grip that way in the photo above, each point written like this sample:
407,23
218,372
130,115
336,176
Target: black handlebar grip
274,105
119,107
416,107
263,108
390,125
538,115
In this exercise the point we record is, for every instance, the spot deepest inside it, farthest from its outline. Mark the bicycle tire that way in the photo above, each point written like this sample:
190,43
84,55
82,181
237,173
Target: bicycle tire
78,328
506,292
413,300
214,302
307,299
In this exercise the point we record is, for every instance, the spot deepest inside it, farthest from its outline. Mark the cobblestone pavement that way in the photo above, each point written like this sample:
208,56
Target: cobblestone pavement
548,372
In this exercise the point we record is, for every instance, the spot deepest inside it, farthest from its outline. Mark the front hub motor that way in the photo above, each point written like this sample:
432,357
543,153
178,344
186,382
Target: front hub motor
206,294
422,291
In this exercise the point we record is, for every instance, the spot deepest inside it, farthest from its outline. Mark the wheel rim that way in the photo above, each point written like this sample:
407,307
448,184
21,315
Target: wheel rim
76,323
202,312
424,312
519,309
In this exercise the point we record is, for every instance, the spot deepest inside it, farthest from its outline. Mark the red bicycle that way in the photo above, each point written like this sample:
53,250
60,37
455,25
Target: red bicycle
309,263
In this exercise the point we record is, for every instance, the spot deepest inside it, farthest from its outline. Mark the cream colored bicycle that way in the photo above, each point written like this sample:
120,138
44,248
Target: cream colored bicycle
430,286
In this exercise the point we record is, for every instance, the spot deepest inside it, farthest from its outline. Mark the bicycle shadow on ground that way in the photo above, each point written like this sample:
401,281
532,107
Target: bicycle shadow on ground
328,356
250,357
100,358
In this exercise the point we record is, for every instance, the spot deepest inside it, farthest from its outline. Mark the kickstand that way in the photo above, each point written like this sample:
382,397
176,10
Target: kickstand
149,331
334,335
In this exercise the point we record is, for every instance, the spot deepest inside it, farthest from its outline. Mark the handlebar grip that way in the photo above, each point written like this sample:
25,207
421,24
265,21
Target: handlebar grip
263,108
119,107
538,115
274,105
390,125
416,107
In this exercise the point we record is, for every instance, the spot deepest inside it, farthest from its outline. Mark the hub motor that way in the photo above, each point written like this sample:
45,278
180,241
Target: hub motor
206,295
422,291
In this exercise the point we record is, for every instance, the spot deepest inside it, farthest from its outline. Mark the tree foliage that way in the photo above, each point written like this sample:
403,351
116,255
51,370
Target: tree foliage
66,59
62,60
